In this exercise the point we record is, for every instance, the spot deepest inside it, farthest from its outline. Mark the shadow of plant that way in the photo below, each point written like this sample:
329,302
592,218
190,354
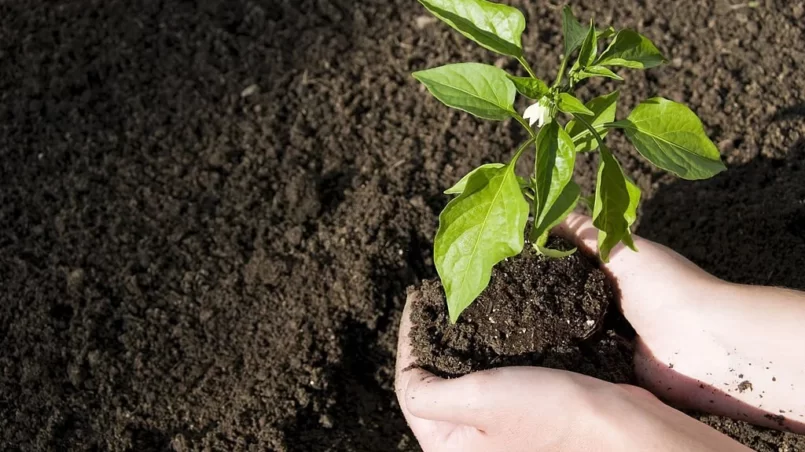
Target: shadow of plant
359,399
746,225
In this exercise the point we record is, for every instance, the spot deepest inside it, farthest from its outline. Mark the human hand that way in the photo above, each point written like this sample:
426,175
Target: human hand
703,343
532,409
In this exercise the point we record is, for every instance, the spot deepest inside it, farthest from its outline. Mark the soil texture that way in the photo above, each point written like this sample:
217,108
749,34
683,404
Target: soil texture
536,311
210,210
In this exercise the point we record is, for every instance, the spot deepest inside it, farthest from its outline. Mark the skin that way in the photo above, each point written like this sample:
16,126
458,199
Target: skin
699,339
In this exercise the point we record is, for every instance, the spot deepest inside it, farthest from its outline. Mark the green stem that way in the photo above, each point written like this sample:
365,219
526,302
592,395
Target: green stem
591,129
527,67
561,73
523,123
522,148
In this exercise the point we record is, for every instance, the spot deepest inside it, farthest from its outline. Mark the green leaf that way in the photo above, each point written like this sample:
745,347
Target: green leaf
529,87
597,71
632,50
478,229
605,33
480,89
572,30
560,209
487,170
603,109
671,136
496,27
569,104
615,209
589,48
553,170
555,254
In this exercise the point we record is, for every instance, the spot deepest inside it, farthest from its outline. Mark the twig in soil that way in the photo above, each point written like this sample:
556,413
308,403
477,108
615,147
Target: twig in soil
753,4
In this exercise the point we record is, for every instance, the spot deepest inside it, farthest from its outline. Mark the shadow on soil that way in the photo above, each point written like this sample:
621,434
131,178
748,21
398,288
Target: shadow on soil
358,401
746,225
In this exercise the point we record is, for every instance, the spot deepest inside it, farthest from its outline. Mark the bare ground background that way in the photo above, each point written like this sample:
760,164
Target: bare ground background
210,210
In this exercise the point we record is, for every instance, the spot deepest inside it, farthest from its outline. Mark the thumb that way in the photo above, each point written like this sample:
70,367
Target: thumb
469,400
623,262
579,230
425,397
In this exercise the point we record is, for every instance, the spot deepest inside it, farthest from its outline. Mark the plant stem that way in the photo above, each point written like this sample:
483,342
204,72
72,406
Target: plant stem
522,148
527,67
523,123
591,129
561,73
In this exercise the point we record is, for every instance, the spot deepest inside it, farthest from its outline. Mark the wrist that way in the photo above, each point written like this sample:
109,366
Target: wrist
640,421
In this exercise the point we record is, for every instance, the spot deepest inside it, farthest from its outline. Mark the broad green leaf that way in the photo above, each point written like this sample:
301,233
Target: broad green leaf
597,71
603,109
671,136
569,104
553,171
631,211
589,48
529,87
632,50
494,26
572,30
615,209
605,33
560,209
480,89
487,170
478,229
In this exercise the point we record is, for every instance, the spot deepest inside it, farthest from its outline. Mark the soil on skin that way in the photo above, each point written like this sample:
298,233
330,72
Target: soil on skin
535,311
210,210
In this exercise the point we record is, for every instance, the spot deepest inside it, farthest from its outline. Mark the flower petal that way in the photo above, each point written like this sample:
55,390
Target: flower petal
534,113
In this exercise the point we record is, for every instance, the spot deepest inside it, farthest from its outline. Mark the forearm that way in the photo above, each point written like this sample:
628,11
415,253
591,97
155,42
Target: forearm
762,321
745,357
648,424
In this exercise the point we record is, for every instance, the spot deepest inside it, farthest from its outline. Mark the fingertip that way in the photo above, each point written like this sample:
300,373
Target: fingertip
405,355
462,401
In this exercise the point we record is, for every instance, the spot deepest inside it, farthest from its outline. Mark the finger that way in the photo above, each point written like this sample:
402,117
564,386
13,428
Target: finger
405,372
405,354
579,230
482,399
463,400
427,431
424,396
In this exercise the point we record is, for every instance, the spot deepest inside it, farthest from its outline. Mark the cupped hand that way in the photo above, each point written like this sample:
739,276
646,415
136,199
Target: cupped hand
704,343
533,409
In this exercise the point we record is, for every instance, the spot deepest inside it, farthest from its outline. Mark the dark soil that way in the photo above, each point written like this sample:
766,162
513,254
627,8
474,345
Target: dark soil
210,210
536,311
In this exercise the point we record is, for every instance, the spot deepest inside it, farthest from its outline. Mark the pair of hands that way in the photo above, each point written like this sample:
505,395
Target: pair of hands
699,341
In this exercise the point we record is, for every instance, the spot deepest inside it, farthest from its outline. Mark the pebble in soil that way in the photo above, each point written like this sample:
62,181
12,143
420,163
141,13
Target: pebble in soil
535,311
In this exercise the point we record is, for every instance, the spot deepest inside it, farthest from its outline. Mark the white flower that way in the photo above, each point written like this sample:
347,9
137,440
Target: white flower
539,114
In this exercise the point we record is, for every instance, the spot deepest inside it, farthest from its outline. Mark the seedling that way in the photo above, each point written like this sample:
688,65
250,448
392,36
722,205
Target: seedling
485,222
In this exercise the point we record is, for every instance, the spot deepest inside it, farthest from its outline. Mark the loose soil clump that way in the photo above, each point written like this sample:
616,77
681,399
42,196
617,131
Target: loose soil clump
535,312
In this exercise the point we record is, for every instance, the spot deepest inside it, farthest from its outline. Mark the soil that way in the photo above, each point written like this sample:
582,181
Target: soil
210,211
536,311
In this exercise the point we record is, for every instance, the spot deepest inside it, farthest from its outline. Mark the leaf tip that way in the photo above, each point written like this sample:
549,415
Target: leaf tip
453,315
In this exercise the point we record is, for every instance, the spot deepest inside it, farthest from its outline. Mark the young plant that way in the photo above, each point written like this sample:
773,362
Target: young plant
485,222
